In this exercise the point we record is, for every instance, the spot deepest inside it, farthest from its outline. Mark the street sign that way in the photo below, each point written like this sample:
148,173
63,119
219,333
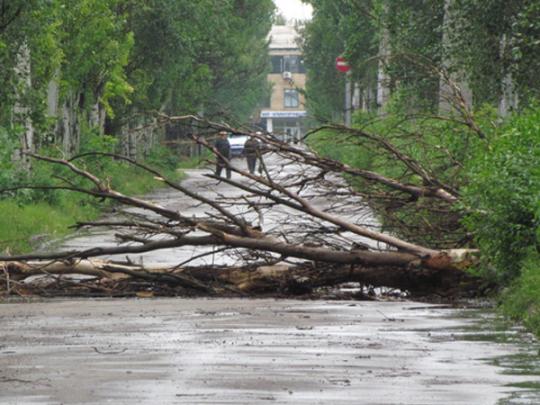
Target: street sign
342,65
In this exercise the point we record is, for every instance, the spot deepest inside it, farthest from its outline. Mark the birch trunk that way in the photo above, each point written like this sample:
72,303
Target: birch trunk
21,110
383,79
454,91
509,98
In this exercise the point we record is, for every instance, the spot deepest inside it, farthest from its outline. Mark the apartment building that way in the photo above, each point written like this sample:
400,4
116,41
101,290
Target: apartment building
285,113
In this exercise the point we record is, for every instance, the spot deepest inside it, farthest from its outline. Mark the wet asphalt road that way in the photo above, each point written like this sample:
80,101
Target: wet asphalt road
219,351
202,351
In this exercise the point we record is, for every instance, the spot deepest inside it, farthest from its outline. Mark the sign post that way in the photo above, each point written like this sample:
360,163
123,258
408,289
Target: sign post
343,66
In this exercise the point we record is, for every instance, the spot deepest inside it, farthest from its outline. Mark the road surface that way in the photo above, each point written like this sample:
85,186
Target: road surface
236,351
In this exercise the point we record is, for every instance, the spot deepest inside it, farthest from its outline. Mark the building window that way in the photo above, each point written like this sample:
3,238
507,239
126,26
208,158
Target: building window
291,63
277,64
287,63
291,98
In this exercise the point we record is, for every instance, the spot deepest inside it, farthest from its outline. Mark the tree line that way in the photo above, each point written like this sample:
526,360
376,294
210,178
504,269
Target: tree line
76,68
446,96
488,48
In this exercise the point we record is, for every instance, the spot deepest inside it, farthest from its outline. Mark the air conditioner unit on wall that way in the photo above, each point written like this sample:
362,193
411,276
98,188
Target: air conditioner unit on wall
287,75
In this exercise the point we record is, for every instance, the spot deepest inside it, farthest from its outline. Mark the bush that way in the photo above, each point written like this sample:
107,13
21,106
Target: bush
503,196
504,202
163,157
522,300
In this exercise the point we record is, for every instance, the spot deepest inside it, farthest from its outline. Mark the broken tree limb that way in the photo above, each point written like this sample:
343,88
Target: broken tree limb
101,270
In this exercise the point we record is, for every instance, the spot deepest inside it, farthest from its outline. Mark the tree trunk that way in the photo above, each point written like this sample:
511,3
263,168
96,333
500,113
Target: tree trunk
383,79
509,96
70,128
275,279
454,91
21,110
96,118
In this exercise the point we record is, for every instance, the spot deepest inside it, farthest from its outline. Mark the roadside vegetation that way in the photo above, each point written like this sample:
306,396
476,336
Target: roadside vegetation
499,180
31,217
87,76
453,86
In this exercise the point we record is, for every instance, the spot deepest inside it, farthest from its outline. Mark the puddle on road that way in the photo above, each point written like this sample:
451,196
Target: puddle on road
246,351
488,327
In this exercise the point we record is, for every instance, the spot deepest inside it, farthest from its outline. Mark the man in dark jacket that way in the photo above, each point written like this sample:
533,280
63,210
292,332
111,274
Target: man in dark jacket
251,151
223,146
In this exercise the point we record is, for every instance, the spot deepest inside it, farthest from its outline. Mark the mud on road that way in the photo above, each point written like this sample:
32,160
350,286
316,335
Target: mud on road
239,351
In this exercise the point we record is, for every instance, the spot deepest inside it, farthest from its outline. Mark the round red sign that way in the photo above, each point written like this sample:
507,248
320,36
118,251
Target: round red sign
342,65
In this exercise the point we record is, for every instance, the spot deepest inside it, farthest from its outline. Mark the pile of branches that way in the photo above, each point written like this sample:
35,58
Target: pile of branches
292,228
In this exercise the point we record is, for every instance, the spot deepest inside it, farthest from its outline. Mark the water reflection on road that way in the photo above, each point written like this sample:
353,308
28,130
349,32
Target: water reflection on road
240,351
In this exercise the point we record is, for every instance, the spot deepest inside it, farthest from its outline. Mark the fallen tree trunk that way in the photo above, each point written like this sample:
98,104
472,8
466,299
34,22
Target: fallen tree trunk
275,279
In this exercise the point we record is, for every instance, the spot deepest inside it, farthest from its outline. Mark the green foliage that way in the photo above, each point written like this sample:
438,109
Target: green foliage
207,56
22,225
129,57
504,193
343,149
495,38
521,300
439,147
415,36
28,212
491,46
164,157
413,29
337,28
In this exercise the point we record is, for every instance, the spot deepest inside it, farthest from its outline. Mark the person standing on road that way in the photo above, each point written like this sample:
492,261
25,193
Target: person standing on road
223,146
251,151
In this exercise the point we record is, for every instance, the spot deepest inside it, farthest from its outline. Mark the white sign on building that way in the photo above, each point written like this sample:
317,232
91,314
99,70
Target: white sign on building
283,114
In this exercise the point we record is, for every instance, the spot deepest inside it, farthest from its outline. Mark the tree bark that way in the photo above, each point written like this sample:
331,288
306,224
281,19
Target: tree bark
454,91
22,110
259,279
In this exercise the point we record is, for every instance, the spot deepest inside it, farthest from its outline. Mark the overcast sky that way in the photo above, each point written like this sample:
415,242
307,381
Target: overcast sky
294,9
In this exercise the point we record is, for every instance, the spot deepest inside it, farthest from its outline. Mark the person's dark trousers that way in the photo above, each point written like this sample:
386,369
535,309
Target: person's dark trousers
220,166
251,162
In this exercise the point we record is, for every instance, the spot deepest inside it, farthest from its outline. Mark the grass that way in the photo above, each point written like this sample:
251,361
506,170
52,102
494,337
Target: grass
522,299
24,225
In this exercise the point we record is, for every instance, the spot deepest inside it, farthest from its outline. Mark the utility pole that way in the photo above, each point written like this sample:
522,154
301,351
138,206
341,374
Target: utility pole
348,99
343,66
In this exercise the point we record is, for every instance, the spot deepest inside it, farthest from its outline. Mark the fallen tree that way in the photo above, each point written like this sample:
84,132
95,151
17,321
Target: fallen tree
109,278
319,237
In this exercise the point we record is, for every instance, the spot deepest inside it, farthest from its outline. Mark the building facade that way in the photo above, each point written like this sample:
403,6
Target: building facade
285,113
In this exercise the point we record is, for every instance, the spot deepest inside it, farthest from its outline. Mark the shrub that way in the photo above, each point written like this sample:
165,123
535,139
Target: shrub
163,157
503,196
522,300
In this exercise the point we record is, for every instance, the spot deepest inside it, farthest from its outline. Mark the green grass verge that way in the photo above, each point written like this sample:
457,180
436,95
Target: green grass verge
522,299
23,225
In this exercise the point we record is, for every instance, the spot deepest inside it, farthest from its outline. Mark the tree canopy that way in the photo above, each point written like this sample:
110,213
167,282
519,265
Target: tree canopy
126,58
